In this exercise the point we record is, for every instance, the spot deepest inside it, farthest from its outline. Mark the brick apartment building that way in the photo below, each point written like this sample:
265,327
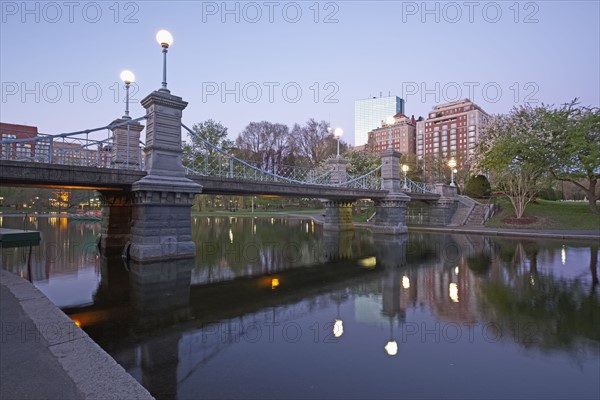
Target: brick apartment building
22,150
403,135
450,131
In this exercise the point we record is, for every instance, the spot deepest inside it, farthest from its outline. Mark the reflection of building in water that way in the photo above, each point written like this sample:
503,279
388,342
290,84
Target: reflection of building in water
445,282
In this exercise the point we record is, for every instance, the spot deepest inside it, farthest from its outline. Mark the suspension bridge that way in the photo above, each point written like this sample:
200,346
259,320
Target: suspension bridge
147,192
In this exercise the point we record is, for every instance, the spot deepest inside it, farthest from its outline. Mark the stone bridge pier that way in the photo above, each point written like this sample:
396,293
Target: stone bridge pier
152,222
338,213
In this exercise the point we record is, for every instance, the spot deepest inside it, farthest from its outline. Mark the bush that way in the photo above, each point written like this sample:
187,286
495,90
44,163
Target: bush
547,194
478,186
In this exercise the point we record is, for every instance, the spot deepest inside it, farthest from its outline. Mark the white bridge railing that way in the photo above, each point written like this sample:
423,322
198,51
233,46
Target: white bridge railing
418,187
75,148
210,160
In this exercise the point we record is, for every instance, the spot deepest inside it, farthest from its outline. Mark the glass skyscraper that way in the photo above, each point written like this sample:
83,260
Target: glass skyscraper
369,113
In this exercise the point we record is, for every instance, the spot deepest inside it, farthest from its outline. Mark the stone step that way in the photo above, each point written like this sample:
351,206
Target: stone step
477,215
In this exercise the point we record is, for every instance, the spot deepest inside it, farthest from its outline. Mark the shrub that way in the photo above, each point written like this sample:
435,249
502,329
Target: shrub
547,194
478,186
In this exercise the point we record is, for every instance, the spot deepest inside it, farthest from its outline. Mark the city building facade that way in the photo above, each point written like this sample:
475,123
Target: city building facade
403,135
450,131
369,113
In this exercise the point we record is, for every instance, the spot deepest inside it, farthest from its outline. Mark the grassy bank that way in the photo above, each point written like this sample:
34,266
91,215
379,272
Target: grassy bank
547,215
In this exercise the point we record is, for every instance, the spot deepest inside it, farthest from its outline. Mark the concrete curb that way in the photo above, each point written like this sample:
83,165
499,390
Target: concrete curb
509,233
95,374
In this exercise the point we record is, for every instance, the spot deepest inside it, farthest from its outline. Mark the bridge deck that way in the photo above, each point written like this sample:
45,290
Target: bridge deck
44,175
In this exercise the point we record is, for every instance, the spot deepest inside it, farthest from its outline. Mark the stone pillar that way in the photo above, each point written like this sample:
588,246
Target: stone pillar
338,215
337,245
161,227
446,190
390,217
390,172
338,167
390,214
443,210
125,151
116,219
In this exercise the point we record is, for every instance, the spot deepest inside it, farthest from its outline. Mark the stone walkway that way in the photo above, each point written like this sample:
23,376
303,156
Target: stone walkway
44,355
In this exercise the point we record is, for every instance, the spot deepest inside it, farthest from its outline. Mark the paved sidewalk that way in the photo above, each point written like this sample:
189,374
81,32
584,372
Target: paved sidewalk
44,355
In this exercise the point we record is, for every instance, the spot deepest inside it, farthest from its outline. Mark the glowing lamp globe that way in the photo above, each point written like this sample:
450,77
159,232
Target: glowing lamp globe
164,38
127,77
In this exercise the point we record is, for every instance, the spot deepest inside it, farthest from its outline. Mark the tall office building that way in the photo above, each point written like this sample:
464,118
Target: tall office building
369,113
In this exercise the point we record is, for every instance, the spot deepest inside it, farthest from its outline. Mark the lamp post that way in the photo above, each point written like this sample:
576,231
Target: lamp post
405,170
128,78
390,121
165,39
338,132
452,165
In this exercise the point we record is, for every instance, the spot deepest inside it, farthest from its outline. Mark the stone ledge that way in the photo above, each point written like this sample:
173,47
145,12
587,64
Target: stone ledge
95,373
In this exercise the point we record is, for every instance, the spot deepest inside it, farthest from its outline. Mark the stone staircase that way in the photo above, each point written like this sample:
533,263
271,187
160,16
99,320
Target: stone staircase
469,212
477,215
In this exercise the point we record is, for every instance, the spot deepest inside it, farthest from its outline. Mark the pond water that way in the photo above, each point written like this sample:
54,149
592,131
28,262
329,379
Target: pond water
277,308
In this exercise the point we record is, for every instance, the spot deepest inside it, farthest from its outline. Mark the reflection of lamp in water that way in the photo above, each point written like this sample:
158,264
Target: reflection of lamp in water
405,282
274,283
391,347
338,325
338,328
453,292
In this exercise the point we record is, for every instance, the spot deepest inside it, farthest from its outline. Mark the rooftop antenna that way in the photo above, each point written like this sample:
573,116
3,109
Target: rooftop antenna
380,94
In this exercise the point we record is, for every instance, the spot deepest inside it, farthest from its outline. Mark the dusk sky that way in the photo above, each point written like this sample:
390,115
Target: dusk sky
289,61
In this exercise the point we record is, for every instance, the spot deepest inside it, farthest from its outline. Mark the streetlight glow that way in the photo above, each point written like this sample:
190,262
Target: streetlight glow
127,77
164,38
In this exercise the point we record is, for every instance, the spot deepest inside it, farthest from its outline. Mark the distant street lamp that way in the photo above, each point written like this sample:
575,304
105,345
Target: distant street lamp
128,78
338,132
452,165
405,170
390,121
165,39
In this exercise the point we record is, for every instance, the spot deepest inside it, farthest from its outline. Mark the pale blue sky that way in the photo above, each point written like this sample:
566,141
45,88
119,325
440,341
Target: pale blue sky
547,52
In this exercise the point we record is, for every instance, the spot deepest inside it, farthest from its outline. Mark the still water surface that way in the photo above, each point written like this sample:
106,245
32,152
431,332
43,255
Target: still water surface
277,308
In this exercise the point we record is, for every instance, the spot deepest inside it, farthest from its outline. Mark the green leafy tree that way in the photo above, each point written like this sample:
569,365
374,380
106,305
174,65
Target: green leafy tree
574,148
361,162
512,148
200,156
478,186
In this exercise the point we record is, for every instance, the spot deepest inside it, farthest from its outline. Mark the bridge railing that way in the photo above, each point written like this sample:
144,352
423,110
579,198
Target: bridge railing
75,148
419,187
210,160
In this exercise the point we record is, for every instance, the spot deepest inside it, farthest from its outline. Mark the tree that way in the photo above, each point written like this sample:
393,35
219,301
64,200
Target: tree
478,187
314,143
197,154
512,148
265,144
361,162
574,151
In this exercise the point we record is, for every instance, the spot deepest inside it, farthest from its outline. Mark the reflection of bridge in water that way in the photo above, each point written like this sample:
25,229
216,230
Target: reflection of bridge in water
216,316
